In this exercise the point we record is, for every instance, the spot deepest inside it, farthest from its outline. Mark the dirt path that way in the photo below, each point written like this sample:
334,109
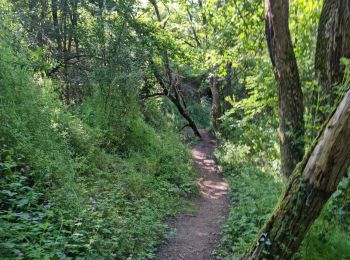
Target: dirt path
197,236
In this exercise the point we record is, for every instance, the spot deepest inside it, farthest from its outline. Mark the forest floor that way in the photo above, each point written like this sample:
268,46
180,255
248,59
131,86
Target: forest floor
198,234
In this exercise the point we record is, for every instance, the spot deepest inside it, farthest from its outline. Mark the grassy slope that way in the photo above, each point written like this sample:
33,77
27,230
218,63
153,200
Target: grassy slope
64,190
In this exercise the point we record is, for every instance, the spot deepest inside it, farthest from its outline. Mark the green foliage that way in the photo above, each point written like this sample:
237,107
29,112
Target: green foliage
94,183
250,125
200,114
329,236
339,207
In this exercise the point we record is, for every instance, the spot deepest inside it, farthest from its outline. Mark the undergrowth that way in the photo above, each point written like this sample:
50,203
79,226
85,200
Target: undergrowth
253,194
93,182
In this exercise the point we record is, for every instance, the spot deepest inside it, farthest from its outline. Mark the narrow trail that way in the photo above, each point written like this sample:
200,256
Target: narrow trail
198,235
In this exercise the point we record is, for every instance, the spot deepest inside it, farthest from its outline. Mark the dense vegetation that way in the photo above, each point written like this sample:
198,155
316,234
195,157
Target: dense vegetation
99,100
69,185
93,179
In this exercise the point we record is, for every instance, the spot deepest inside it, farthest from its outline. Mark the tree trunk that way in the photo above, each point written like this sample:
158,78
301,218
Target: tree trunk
185,115
215,105
32,14
75,25
290,97
228,85
56,26
64,28
333,43
175,99
312,183
43,30
204,18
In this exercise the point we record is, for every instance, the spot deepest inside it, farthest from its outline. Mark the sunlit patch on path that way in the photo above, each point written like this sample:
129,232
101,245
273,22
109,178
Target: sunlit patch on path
213,189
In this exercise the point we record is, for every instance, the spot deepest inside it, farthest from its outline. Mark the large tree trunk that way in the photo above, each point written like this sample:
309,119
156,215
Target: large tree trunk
291,108
215,105
312,183
333,43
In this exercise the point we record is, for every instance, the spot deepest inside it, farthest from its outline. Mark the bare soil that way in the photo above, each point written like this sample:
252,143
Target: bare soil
198,235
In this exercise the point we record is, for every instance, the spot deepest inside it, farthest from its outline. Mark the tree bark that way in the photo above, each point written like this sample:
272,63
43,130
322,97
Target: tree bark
56,26
43,30
185,115
290,97
75,24
32,14
174,97
228,85
312,183
333,43
215,105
